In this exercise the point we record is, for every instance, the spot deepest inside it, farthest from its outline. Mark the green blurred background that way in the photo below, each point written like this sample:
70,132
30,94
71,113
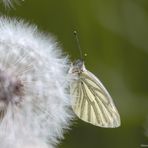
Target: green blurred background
114,34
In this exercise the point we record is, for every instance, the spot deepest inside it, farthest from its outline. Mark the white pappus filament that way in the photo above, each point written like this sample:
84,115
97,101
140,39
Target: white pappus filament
10,3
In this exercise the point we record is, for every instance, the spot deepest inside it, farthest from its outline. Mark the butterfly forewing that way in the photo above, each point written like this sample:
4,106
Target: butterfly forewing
92,103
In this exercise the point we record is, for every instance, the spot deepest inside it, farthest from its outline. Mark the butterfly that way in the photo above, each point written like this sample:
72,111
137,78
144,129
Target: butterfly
91,101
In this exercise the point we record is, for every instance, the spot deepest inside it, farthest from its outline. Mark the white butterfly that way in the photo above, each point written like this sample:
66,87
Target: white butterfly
91,101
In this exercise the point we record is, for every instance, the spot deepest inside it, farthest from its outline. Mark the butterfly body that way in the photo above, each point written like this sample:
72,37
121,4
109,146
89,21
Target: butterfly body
90,100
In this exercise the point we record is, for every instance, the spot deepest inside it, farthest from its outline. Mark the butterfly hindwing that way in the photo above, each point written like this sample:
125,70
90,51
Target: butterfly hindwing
92,103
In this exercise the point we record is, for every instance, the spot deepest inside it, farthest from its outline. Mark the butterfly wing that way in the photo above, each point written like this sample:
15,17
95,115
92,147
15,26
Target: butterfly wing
92,103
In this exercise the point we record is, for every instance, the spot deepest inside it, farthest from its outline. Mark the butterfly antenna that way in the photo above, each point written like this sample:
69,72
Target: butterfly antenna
78,44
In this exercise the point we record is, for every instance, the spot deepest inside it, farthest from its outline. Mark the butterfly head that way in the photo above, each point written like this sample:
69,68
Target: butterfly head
77,67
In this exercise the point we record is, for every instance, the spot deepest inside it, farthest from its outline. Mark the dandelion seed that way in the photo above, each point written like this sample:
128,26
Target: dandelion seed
10,3
34,103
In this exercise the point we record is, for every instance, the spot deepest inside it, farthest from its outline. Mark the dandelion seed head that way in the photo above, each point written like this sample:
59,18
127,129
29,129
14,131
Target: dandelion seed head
34,102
